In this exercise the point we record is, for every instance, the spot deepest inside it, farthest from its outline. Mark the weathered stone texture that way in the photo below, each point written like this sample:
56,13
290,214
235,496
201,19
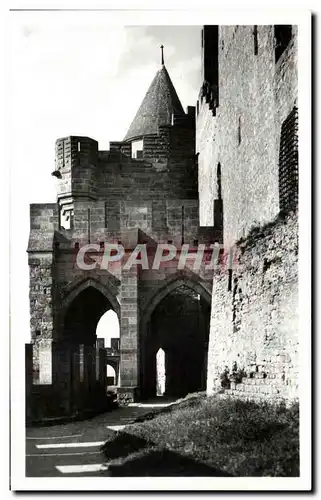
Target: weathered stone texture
40,295
76,160
170,195
111,198
255,323
255,96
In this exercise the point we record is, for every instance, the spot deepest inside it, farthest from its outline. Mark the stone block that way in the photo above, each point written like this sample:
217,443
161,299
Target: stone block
45,361
126,395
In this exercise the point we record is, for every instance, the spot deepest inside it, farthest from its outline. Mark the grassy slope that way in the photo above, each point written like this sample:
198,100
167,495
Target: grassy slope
236,437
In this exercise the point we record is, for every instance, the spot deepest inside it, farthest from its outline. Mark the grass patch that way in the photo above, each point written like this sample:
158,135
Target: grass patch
190,401
236,437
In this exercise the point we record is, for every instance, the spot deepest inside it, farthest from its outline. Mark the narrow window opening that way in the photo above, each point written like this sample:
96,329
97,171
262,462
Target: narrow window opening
239,136
256,47
183,229
63,153
106,215
266,265
219,182
210,87
282,35
230,275
160,372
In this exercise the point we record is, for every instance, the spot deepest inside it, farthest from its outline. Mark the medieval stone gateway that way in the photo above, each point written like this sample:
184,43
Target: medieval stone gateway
130,197
223,173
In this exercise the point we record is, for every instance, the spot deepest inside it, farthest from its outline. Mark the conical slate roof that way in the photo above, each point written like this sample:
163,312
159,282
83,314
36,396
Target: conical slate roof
158,105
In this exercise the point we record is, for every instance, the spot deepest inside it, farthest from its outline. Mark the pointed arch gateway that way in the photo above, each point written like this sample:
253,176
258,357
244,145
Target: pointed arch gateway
82,309
176,320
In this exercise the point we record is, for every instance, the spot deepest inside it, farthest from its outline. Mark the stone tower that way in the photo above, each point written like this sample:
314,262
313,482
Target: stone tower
142,191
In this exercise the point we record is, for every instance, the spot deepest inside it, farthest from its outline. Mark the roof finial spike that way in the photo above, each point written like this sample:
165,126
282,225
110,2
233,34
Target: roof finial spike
162,51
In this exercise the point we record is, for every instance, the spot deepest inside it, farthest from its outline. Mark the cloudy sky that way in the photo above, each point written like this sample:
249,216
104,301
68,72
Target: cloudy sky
78,76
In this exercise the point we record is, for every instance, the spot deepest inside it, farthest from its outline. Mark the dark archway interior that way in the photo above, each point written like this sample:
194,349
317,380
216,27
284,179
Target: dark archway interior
180,326
83,315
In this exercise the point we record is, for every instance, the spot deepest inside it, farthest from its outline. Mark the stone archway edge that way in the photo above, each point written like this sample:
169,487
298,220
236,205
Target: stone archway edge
77,286
179,279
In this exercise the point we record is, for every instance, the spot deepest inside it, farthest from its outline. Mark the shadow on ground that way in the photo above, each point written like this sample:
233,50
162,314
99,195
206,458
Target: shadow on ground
144,458
169,402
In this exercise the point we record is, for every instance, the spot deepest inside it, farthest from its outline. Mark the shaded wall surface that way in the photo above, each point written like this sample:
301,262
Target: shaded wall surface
254,322
77,382
243,135
180,326
246,137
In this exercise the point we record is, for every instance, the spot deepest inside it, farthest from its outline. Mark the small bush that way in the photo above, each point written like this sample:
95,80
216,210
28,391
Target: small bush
237,373
225,378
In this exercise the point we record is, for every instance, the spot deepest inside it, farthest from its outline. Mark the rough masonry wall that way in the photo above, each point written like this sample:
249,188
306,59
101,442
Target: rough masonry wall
41,315
135,179
166,171
43,224
255,323
40,294
256,95
137,222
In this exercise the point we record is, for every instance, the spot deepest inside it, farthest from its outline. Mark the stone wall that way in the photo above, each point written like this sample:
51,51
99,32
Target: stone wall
40,294
41,313
77,385
130,179
256,94
167,168
254,318
76,161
